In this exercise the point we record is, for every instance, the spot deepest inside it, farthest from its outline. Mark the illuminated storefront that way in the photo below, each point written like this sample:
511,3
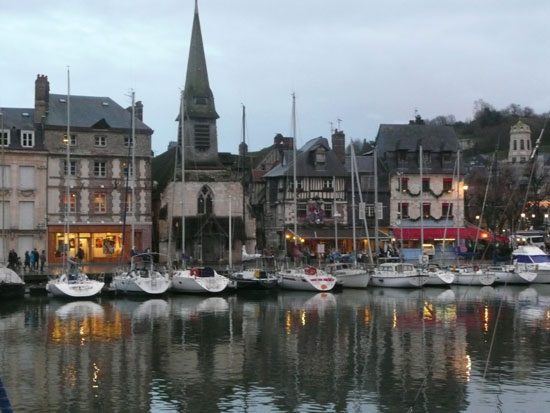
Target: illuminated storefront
104,243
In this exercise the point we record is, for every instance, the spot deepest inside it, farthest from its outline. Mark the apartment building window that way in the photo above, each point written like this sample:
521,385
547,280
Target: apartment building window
521,144
320,159
426,157
327,183
426,209
128,206
27,139
26,177
403,210
100,202
404,184
402,156
127,141
299,184
72,169
425,184
100,169
101,141
5,176
369,211
328,210
515,145
4,137
26,215
446,209
447,184
5,212
128,169
73,139
69,201
301,210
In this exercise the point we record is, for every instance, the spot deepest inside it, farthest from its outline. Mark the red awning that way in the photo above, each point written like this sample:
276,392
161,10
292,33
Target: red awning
439,233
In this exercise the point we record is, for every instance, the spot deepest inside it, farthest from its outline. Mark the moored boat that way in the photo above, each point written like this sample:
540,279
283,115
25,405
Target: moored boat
142,277
438,276
74,284
529,258
509,274
473,275
11,284
349,276
306,279
204,280
397,275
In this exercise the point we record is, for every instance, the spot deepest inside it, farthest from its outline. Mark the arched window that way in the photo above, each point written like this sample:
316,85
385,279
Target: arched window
204,202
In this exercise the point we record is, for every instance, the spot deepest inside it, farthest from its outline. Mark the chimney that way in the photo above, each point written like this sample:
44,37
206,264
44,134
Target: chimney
41,97
243,149
138,109
339,144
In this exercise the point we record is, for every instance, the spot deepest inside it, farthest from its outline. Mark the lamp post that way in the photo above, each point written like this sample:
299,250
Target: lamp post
546,224
523,218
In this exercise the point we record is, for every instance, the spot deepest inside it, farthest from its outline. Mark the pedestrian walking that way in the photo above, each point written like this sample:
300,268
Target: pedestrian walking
42,260
31,260
27,262
36,258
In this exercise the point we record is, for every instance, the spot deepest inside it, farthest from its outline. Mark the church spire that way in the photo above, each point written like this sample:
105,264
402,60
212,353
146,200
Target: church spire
199,99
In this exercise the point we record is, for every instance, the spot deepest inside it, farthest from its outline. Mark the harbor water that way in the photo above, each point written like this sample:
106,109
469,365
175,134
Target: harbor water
463,349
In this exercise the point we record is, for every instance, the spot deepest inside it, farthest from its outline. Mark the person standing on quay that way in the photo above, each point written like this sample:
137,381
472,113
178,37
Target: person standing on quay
36,258
42,260
31,260
27,262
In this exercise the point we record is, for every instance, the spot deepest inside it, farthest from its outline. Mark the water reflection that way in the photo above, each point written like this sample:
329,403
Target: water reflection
359,350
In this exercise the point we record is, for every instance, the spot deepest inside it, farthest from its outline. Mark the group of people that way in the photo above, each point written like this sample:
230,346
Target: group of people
31,261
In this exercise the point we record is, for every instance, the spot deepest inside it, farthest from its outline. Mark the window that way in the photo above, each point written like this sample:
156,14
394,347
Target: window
5,176
101,141
301,211
202,136
299,184
100,169
26,177
425,184
426,157
69,200
328,210
404,184
27,139
327,183
369,211
426,209
204,202
5,211
403,210
128,203
72,171
128,170
402,156
26,215
521,144
4,137
100,202
528,144
73,139
446,208
515,145
320,158
127,141
447,184
447,156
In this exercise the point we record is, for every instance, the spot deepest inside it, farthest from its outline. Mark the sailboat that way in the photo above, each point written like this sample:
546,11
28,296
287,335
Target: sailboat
72,283
300,278
204,280
142,277
349,275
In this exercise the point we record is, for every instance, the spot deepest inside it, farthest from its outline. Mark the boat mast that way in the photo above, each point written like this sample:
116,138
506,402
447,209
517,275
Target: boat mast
457,202
132,238
182,128
68,172
171,209
243,166
375,165
421,205
336,215
353,206
230,238
294,168
3,166
363,217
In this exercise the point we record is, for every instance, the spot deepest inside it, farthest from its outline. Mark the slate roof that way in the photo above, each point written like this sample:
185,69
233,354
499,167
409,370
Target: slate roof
13,118
433,138
88,111
305,162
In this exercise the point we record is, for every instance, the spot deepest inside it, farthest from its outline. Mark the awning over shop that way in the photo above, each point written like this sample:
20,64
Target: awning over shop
468,233
343,233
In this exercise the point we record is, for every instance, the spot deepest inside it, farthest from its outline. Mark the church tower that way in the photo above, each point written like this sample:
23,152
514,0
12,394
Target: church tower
199,126
520,143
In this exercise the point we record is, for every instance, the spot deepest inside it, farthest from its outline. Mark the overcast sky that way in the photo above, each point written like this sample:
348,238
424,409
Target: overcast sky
364,62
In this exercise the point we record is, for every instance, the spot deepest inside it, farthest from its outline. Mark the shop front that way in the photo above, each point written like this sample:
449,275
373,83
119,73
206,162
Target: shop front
105,243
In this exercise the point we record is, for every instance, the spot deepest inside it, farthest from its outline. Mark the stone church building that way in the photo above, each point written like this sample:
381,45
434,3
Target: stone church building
211,194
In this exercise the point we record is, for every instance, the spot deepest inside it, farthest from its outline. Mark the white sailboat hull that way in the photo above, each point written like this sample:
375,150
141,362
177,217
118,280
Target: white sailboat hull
520,277
82,288
474,278
440,278
185,282
299,280
150,284
405,281
543,272
353,278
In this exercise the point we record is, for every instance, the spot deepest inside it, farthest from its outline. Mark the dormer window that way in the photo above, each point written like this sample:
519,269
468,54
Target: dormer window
320,158
426,157
4,137
27,138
